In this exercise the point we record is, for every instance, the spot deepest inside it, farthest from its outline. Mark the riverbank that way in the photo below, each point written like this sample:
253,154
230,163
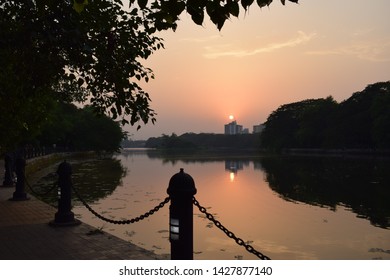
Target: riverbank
25,234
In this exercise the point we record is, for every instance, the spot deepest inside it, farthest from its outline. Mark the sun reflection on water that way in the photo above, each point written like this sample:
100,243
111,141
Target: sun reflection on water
232,176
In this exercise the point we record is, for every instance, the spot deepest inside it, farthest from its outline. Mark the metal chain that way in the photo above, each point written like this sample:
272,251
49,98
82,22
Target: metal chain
230,234
122,222
55,184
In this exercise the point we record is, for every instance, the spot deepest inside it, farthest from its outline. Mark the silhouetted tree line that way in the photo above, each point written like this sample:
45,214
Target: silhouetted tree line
129,143
204,141
78,129
360,122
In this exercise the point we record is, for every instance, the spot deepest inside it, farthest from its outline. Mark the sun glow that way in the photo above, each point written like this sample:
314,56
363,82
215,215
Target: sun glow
231,117
232,176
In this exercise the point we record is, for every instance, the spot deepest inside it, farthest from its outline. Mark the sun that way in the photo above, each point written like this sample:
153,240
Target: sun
231,117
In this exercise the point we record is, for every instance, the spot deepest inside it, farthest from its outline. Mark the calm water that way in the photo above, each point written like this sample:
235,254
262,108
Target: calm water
285,207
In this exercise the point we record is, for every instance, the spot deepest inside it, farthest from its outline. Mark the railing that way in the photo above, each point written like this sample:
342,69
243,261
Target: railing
181,191
28,152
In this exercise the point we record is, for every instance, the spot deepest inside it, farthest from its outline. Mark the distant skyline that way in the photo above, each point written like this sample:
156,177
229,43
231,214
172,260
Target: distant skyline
266,58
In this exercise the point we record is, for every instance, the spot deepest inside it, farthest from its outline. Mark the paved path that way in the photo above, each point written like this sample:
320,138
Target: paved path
25,234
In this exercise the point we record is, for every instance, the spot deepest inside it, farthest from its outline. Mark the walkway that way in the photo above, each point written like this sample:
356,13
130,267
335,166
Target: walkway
26,235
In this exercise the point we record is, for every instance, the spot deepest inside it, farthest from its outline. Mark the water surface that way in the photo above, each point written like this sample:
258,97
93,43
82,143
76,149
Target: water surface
285,207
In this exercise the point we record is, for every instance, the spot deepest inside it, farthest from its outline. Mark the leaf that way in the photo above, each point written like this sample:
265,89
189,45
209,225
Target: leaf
284,1
246,3
176,7
142,3
263,3
198,18
210,8
114,114
79,5
220,23
234,8
196,15
80,82
217,14
195,9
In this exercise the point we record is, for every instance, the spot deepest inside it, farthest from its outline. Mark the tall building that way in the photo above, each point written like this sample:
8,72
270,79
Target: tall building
233,128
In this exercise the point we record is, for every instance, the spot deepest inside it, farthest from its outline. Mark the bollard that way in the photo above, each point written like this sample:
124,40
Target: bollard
64,215
8,171
181,190
20,170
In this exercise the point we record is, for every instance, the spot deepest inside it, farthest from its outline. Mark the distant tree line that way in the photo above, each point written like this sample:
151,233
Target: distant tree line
129,143
204,141
360,122
80,129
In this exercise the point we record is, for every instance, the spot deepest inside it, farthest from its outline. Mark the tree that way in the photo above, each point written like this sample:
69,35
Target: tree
282,125
80,129
46,45
315,122
97,46
362,121
166,13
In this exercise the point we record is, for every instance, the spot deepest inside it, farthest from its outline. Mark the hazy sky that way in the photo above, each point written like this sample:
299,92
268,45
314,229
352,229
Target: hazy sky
265,58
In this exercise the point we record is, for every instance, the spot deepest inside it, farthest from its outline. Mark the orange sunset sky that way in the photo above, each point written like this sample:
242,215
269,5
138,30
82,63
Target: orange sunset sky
263,59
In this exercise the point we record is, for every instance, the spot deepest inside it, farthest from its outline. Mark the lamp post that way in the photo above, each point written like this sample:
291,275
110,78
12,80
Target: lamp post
20,170
181,190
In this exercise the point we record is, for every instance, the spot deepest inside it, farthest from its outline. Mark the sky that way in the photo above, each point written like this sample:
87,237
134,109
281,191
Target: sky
263,59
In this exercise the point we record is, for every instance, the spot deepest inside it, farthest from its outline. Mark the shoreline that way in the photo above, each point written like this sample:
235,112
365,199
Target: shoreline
32,217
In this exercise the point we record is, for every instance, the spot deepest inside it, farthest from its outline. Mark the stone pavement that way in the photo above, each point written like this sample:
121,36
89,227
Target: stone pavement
25,234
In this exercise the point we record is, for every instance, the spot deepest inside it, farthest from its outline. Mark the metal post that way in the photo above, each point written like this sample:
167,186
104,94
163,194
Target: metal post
64,215
20,170
8,171
181,190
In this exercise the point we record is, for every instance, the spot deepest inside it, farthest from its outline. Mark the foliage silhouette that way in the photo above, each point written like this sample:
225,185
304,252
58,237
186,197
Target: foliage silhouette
205,141
360,122
97,47
80,129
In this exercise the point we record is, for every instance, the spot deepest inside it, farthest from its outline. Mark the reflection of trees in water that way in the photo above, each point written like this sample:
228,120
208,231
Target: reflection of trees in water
202,156
94,179
360,184
99,178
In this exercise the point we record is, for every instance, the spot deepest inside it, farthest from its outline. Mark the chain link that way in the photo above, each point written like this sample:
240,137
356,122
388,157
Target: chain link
121,222
230,234
34,192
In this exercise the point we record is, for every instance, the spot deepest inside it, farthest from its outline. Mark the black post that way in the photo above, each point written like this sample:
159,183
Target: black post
20,170
8,171
64,215
181,190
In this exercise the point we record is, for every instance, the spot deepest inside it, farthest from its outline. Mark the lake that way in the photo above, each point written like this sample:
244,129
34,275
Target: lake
285,207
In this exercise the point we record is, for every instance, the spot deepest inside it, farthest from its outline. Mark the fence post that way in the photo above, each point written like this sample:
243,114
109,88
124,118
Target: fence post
64,215
181,190
20,170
